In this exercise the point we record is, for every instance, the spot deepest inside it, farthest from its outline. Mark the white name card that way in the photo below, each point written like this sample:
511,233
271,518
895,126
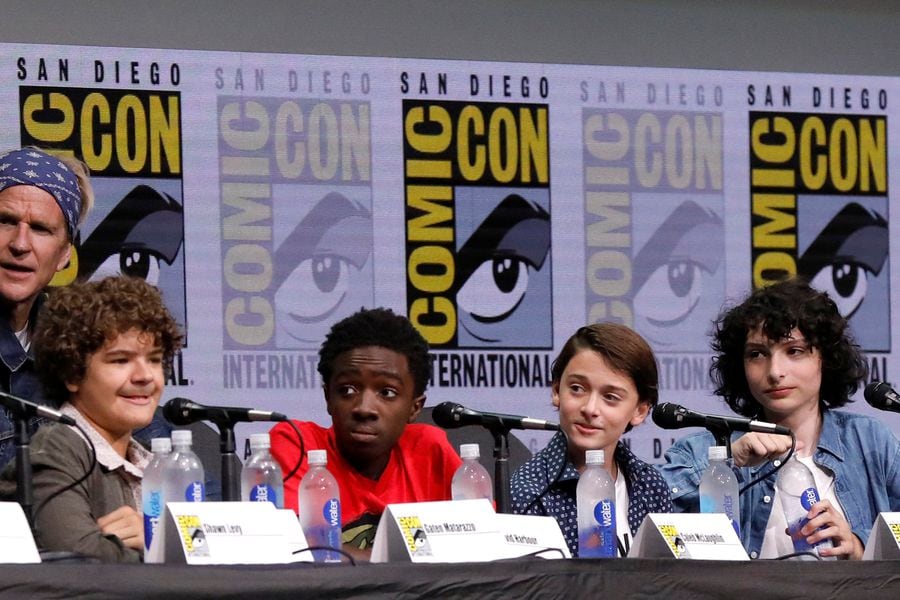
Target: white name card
450,531
228,533
16,542
884,539
532,535
687,535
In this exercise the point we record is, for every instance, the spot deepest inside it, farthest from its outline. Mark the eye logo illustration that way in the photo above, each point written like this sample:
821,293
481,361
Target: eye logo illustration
676,281
849,252
322,270
145,228
499,275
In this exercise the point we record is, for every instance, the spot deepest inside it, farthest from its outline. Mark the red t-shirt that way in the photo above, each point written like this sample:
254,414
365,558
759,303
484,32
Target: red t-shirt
420,469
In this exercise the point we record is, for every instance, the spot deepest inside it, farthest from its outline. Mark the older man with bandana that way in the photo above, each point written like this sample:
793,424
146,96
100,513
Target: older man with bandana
43,200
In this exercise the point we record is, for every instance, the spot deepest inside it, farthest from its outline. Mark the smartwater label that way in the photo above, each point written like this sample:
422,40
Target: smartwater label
152,512
195,492
600,540
263,492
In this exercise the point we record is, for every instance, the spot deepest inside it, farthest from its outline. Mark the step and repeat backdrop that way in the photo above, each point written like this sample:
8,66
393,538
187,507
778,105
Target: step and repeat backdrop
499,205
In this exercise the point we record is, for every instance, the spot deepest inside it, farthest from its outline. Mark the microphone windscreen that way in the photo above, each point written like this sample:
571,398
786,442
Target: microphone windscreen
177,411
876,394
664,415
443,415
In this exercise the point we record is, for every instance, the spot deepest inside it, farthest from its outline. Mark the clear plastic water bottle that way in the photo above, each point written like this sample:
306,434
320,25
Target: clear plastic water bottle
319,502
261,479
719,488
152,488
797,490
471,480
596,501
182,472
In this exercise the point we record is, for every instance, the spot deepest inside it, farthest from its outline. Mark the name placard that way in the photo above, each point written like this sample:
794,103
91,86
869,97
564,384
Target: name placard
211,533
450,531
884,539
687,535
16,542
532,535
462,531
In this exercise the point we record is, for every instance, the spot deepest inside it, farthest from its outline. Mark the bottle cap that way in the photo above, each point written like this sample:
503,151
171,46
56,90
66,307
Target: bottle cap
717,453
182,436
317,457
259,440
160,445
469,451
594,457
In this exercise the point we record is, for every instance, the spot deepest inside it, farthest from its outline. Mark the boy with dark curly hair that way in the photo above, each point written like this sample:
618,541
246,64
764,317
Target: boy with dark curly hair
104,347
785,355
374,367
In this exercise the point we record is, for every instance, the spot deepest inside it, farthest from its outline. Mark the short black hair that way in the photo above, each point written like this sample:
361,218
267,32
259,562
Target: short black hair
778,309
377,327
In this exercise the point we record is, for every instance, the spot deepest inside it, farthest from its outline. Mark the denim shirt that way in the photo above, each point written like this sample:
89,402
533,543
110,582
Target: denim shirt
18,377
861,452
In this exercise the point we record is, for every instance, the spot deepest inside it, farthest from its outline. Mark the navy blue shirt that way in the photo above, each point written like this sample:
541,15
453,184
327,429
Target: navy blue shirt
546,484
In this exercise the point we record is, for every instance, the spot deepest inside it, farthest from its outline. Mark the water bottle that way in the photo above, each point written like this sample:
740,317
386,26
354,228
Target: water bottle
719,488
183,474
152,488
596,502
471,480
261,479
797,490
319,502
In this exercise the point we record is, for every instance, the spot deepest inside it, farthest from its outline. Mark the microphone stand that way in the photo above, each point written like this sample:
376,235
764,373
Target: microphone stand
24,485
501,466
721,430
231,481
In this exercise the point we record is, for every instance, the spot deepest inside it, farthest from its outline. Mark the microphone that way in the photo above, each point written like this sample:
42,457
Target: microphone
673,416
23,408
450,415
881,395
181,411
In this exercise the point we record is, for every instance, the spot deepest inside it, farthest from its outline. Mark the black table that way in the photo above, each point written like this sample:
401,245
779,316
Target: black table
534,578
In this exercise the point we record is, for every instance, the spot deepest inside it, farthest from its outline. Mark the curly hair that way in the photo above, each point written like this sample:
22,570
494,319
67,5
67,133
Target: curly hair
377,327
778,309
620,346
79,319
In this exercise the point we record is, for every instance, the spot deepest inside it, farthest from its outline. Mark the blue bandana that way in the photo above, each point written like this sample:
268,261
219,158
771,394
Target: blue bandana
33,167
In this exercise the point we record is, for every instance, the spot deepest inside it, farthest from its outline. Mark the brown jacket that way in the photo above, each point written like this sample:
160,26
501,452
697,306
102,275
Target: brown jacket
69,521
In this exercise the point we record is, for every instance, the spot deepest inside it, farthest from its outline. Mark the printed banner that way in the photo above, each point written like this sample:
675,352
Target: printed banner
499,205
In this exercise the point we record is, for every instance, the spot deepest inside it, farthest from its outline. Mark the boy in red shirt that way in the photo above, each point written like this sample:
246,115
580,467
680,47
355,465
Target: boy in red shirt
374,367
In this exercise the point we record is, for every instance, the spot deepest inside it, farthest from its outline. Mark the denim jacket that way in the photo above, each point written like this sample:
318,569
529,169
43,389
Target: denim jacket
861,452
18,377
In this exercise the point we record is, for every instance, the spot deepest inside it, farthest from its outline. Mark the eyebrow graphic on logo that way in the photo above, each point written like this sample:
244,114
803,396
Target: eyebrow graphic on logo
673,272
493,264
318,268
144,228
852,247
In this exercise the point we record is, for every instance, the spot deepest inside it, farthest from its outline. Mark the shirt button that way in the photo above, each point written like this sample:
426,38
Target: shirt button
674,490
754,554
767,499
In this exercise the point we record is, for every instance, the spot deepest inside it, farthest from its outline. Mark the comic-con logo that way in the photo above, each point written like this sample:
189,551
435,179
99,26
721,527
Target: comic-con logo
296,215
819,203
478,273
654,235
131,142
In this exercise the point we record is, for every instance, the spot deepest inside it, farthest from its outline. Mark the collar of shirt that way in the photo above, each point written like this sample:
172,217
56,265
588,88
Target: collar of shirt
136,457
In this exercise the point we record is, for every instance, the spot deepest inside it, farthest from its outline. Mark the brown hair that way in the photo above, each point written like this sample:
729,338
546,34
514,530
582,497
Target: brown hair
78,319
625,351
